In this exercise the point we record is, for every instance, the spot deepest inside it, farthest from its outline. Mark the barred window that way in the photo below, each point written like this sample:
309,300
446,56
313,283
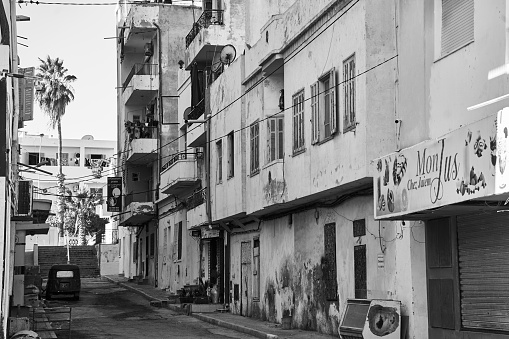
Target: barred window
298,121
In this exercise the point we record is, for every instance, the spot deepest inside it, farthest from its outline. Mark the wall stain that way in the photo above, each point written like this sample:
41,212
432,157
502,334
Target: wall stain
274,191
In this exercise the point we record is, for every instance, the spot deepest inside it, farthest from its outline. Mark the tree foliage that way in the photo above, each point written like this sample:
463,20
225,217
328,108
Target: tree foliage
80,217
54,93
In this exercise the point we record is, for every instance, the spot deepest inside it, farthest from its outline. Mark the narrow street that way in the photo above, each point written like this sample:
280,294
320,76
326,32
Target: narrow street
106,310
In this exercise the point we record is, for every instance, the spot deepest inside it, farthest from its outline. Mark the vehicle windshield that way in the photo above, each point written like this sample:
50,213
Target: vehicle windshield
65,274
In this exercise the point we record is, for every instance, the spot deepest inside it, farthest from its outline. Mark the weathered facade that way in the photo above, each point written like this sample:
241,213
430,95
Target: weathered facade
306,144
446,177
150,46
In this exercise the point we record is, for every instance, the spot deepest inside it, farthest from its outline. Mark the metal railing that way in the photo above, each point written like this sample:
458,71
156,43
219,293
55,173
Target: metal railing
197,111
208,17
181,156
140,69
138,130
196,199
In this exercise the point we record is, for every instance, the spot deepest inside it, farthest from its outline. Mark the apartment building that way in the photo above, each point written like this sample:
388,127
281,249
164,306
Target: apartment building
333,152
150,53
86,164
445,182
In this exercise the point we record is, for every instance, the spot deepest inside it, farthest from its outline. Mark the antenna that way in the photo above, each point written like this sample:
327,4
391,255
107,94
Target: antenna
228,54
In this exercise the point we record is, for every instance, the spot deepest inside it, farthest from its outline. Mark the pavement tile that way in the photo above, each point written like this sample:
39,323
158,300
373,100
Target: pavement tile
251,326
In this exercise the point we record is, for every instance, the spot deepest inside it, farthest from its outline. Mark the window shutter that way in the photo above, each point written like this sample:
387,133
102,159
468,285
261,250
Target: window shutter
332,97
315,131
457,24
280,138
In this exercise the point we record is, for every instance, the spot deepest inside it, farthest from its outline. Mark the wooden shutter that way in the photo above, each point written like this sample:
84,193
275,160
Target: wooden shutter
332,97
457,24
484,270
280,136
315,119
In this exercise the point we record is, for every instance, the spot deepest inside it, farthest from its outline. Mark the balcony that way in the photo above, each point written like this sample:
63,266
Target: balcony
139,209
180,173
196,209
143,142
206,35
141,84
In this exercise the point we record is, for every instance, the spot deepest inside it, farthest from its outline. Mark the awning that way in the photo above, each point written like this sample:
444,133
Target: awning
466,165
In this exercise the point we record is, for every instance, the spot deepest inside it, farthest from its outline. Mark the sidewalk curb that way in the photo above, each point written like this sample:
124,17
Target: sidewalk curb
131,288
200,316
238,328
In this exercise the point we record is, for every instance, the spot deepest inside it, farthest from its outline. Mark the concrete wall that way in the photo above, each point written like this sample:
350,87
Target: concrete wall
108,258
291,267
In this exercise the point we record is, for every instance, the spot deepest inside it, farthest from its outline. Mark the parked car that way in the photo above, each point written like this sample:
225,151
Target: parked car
63,279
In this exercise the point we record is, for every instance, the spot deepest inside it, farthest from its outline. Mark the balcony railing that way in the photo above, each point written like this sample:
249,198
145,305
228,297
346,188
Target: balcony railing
181,156
197,111
196,199
140,69
138,130
208,17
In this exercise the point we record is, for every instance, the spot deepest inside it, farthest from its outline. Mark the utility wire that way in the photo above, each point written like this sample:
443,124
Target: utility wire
300,48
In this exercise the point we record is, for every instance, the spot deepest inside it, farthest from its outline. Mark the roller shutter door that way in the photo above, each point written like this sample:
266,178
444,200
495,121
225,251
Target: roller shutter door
483,256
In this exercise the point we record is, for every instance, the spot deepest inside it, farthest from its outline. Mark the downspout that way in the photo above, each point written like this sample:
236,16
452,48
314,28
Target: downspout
159,151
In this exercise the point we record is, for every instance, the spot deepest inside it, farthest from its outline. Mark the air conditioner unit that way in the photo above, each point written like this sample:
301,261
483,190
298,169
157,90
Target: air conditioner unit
148,49
371,319
25,196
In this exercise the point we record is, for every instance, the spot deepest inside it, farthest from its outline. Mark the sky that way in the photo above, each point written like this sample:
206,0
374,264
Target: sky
76,35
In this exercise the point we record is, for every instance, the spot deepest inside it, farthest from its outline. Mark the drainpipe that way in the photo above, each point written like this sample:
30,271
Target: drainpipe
160,99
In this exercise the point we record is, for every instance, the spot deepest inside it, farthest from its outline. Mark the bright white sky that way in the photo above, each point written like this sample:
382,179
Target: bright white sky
76,35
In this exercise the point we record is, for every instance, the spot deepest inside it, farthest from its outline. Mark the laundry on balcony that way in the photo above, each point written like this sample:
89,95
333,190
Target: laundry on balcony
139,130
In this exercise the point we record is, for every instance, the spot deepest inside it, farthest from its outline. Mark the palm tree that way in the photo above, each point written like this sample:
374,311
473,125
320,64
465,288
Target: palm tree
80,216
55,92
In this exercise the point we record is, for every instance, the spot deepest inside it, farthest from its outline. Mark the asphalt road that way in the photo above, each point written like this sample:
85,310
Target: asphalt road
106,310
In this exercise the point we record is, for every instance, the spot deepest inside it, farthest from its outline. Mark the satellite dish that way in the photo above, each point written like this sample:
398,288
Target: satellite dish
187,112
228,54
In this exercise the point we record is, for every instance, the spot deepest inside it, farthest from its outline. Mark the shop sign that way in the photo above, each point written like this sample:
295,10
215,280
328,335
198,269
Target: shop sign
208,234
465,164
114,196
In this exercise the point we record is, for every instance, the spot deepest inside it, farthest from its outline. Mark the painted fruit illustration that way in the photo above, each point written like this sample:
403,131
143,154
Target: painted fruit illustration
390,200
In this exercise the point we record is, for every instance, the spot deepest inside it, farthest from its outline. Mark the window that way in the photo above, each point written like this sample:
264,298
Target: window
457,24
255,147
135,176
230,155
98,192
330,276
256,270
219,148
177,241
275,141
323,107
349,93
33,158
298,121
